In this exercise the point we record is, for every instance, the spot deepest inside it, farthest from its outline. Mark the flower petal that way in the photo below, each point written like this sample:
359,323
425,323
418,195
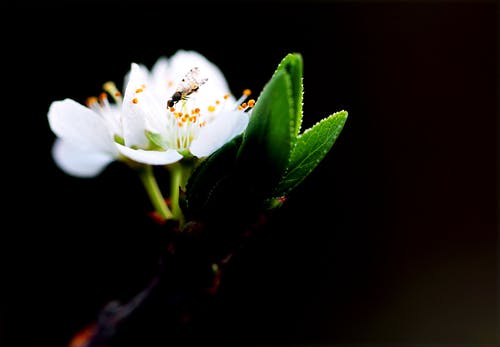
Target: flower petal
150,157
141,109
142,71
80,125
183,61
215,134
160,78
79,162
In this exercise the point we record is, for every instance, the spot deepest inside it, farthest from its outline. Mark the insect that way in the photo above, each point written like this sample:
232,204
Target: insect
189,84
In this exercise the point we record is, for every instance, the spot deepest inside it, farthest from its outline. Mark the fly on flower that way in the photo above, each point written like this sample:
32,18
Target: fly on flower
189,84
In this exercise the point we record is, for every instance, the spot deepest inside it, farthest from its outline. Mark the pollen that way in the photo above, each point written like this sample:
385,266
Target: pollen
139,90
171,109
251,103
247,92
135,100
217,102
244,105
111,89
103,97
226,96
91,101
211,108
170,83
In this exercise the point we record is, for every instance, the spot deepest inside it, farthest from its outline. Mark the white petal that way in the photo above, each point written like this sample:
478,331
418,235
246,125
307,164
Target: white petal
80,125
79,162
142,71
160,78
141,109
112,115
215,134
160,68
182,61
150,157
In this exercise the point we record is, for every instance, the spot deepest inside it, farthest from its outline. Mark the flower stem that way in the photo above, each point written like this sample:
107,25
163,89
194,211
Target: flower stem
148,179
175,183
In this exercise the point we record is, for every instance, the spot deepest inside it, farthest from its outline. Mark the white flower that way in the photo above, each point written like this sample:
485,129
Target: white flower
151,124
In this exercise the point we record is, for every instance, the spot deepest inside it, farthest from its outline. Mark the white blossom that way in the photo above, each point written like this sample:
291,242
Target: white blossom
182,107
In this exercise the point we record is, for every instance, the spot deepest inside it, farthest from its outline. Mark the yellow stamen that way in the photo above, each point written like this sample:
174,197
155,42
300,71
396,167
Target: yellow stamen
91,101
111,89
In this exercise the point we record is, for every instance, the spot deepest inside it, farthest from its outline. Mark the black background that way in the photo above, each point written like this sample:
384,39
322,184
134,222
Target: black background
392,239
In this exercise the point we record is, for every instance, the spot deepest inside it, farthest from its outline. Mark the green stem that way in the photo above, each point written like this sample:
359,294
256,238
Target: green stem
148,179
175,183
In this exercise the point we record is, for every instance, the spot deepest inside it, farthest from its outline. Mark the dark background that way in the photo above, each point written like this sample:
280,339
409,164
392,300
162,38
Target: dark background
392,239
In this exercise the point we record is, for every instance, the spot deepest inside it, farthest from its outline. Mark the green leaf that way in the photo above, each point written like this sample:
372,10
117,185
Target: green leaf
293,65
265,150
310,148
206,177
237,179
269,159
